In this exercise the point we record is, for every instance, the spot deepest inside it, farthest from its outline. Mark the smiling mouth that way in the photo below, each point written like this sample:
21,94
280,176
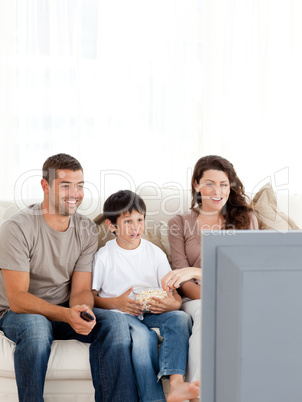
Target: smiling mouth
216,198
71,202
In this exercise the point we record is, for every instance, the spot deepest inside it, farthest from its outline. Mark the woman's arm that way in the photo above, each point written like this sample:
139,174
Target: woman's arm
191,290
177,242
182,272
173,279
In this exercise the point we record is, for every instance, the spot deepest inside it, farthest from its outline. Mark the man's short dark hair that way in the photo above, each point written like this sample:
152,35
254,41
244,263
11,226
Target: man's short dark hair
59,161
122,202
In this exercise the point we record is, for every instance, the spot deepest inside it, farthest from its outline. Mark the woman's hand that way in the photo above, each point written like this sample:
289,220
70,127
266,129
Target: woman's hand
156,305
173,279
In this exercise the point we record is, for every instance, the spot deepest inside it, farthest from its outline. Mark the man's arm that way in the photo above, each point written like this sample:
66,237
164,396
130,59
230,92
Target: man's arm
81,289
21,301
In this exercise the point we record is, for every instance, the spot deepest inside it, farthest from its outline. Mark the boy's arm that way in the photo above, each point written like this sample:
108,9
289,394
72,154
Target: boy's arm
123,303
173,300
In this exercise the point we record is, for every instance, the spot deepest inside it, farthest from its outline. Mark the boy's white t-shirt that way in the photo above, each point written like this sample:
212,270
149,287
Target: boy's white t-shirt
115,269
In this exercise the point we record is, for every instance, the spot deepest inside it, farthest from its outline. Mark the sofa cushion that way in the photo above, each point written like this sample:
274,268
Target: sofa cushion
7,349
69,360
268,213
291,205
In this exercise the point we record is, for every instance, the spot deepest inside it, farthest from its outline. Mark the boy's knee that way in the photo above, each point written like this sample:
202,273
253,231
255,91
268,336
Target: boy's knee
110,319
112,324
144,339
183,319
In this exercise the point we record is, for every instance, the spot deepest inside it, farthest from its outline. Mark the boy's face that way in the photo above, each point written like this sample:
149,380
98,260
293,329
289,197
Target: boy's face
129,228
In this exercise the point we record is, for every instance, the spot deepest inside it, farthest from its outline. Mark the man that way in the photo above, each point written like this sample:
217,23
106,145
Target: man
46,253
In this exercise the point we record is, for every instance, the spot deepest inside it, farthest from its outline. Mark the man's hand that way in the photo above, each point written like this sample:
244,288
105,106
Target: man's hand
128,305
80,325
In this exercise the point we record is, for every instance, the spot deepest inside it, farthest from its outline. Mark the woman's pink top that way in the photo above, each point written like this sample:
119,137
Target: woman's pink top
185,239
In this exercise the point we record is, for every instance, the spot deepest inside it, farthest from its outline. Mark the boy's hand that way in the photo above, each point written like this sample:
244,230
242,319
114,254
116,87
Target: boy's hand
157,305
128,305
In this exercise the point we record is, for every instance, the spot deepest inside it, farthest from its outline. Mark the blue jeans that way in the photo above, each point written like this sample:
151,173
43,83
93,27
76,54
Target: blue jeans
175,327
110,354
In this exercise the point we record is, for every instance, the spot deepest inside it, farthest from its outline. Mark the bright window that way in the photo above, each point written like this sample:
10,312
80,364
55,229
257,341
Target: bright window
138,90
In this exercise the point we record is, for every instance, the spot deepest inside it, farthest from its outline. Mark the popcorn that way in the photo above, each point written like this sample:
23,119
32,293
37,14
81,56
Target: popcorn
144,295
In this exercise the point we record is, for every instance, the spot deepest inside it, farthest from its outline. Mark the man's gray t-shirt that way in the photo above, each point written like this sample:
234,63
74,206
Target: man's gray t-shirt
29,244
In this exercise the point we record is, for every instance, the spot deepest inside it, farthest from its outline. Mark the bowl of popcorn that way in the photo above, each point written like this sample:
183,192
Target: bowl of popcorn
144,295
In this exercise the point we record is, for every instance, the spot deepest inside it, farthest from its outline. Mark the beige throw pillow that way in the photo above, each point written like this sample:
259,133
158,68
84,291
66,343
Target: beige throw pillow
268,213
2,213
104,235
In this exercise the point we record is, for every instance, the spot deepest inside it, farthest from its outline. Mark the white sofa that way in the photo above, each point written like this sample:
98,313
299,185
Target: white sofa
68,376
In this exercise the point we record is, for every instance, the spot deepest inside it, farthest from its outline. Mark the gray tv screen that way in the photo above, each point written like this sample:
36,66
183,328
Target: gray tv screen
252,316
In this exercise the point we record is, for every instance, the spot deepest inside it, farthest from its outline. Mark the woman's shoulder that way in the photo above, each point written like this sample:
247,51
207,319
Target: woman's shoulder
179,219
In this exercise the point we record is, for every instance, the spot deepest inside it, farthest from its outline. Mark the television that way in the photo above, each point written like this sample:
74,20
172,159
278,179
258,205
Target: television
251,316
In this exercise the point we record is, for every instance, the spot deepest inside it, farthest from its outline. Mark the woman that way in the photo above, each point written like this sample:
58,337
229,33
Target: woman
218,202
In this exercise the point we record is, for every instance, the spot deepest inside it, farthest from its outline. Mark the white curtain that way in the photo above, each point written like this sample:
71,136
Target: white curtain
138,90
115,83
252,102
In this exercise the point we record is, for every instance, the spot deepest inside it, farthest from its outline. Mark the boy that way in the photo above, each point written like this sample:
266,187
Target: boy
127,262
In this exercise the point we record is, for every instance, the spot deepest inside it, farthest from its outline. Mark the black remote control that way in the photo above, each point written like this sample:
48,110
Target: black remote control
86,316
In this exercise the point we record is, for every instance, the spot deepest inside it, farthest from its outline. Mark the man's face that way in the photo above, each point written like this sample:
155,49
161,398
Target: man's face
66,192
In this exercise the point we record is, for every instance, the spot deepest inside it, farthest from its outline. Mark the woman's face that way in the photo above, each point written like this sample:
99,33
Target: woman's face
214,187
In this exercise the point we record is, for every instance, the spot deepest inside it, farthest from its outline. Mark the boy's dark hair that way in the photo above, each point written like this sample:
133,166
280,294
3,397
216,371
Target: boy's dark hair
56,162
121,202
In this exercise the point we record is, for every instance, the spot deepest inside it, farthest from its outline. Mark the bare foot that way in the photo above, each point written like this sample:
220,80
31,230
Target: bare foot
180,391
